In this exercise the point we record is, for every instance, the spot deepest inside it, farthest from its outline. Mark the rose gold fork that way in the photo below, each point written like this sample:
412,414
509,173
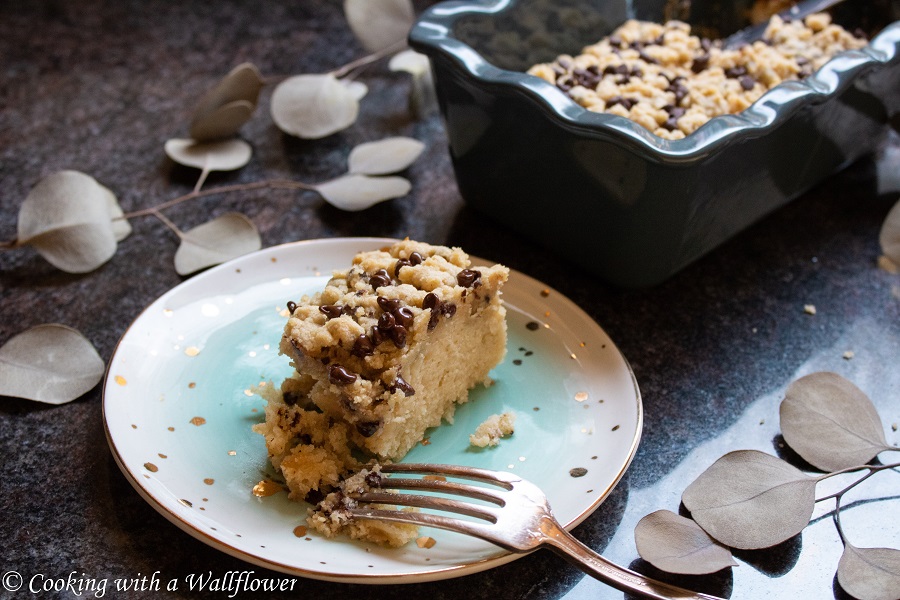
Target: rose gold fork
519,520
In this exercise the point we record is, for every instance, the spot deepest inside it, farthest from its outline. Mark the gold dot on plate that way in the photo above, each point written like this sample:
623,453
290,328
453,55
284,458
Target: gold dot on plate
170,428
161,455
300,531
545,292
151,467
168,312
209,481
581,396
232,453
192,350
248,393
198,421
192,385
573,357
186,503
133,426
273,259
120,380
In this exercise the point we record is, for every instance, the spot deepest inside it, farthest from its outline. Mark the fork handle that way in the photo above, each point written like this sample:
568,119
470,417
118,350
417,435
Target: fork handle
564,544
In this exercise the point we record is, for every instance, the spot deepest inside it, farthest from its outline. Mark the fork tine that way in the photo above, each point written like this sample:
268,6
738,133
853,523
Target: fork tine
474,528
433,502
446,487
500,478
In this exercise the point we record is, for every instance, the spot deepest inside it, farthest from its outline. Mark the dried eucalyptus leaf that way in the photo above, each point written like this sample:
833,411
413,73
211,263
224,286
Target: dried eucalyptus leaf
357,88
410,61
384,156
890,234
422,95
830,422
214,242
355,192
120,226
223,122
379,24
66,218
749,499
870,573
243,84
314,106
678,545
49,363
226,155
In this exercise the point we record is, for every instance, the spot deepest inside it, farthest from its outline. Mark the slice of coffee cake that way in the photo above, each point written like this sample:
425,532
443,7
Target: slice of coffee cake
385,351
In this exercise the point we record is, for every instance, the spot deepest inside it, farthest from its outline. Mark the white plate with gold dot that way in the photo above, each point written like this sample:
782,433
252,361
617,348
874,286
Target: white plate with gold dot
178,414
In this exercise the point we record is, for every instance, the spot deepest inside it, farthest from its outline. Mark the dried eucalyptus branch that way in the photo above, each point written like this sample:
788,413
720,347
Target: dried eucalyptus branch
748,499
75,223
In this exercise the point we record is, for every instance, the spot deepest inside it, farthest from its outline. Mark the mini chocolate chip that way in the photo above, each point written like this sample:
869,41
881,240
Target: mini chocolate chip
448,308
398,335
468,277
404,316
578,472
348,310
373,479
314,497
416,259
403,385
403,262
386,322
431,301
532,325
291,306
363,346
615,40
340,375
331,310
647,59
388,305
367,429
380,279
290,398
700,63
378,335
517,361
735,72
747,82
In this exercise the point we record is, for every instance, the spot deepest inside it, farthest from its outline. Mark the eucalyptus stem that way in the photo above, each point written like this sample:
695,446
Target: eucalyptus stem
225,189
369,59
168,223
871,468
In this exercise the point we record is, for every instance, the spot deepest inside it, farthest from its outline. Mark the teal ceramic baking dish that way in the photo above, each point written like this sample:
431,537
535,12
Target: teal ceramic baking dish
602,191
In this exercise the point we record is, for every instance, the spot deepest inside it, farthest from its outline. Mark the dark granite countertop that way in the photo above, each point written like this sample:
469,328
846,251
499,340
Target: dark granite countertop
99,86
